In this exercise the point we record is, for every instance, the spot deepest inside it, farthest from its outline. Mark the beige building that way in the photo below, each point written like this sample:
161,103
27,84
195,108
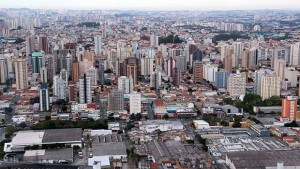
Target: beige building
236,85
279,67
21,73
270,86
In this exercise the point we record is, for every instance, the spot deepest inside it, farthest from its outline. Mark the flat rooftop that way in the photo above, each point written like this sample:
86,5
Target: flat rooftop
263,159
109,149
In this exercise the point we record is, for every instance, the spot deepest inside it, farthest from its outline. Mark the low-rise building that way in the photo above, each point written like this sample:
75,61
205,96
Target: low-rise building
162,125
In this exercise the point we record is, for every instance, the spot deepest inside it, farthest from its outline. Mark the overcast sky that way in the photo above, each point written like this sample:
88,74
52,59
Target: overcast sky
152,4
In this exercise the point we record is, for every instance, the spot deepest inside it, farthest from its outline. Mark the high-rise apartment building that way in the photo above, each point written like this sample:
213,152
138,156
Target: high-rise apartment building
98,44
44,97
270,86
59,87
132,69
44,75
3,70
43,44
30,45
135,103
37,62
289,109
116,100
295,54
198,72
155,80
21,74
236,85
279,68
75,72
85,93
222,79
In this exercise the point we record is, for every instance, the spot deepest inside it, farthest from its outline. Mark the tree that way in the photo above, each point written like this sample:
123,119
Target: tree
251,100
9,131
8,110
273,101
224,123
23,125
166,116
202,141
228,101
237,122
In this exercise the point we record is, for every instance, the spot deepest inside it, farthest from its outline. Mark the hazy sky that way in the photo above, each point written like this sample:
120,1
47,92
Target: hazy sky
152,4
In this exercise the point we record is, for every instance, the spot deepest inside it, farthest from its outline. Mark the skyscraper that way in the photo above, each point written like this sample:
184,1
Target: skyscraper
3,70
21,74
155,80
124,84
85,93
295,54
44,97
222,79
44,75
198,72
101,76
43,44
37,62
59,87
279,68
289,109
132,69
93,74
270,86
98,44
236,85
177,77
154,40
135,103
75,72
30,45
116,100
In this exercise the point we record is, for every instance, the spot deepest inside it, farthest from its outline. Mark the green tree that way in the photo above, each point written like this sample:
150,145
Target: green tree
166,116
228,101
9,131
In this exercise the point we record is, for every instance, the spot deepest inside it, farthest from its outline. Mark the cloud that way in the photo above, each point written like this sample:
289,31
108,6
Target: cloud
152,4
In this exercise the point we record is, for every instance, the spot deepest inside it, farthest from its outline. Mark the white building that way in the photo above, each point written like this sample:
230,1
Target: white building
201,124
135,103
270,86
59,87
125,85
3,70
92,73
154,40
209,72
162,125
236,85
98,44
295,54
147,66
290,73
18,119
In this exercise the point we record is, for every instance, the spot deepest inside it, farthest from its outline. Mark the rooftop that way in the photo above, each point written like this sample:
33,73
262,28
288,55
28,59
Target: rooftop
263,159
